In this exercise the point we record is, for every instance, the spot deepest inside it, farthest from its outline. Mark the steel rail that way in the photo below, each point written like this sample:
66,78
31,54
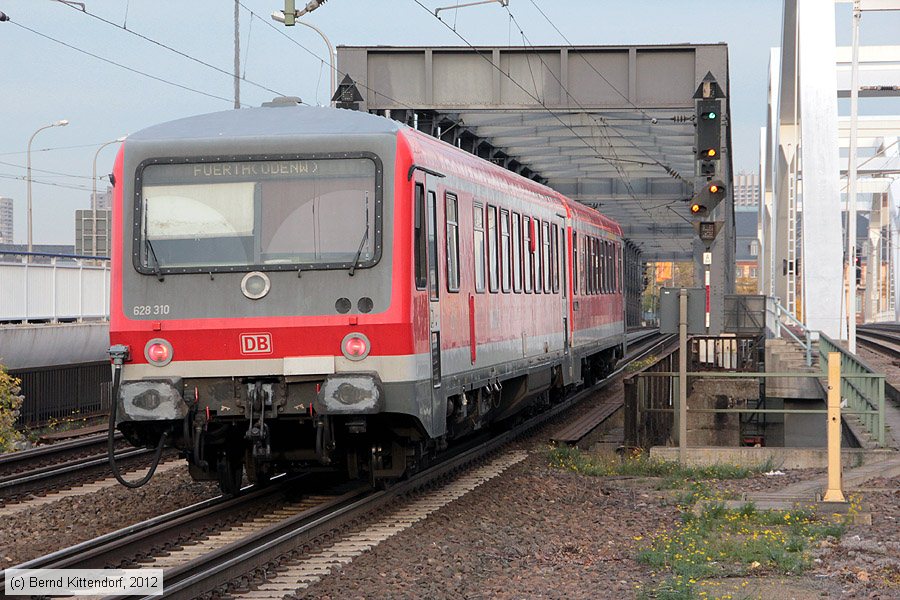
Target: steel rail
217,569
130,542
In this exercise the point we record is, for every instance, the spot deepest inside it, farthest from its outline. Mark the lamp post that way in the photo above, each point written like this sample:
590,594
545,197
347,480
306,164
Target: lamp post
94,196
60,123
279,15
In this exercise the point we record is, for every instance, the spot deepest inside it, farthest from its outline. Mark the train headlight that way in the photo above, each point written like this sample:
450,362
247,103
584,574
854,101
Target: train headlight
355,346
158,352
255,285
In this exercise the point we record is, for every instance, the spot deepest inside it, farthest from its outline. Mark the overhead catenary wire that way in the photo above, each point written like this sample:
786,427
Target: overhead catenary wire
48,171
318,57
120,65
668,169
51,149
41,182
543,105
175,50
540,102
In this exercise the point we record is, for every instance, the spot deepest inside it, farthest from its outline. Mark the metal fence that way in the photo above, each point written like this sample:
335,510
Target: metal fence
726,353
61,393
63,290
648,402
861,387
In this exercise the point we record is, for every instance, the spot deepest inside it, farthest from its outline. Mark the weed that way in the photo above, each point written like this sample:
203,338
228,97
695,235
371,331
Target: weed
10,403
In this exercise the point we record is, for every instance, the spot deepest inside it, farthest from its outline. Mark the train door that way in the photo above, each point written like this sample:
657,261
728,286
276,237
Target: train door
428,274
559,234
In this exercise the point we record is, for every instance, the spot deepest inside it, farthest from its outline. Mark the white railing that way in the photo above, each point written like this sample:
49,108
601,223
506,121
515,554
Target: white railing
62,290
780,320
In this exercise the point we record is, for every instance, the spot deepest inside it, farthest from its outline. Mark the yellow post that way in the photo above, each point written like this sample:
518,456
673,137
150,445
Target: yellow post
834,493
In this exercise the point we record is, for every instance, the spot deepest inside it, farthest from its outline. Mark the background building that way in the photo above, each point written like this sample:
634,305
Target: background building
746,255
6,221
84,232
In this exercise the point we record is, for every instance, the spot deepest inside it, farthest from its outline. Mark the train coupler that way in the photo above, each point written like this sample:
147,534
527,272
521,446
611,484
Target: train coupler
257,434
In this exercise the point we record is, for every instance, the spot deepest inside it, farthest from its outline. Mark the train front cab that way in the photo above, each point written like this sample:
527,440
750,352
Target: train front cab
250,344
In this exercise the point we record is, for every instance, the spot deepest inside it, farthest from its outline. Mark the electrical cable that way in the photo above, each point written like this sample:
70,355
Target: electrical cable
111,438
313,54
670,171
120,65
41,182
56,173
171,49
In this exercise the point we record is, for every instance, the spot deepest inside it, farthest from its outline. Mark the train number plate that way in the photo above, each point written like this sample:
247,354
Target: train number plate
256,343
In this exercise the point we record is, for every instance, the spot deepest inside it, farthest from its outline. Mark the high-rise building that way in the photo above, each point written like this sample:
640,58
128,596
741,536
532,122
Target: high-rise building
84,232
746,189
6,221
104,199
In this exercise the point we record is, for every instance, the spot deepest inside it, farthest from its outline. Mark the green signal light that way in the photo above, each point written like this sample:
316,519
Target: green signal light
710,115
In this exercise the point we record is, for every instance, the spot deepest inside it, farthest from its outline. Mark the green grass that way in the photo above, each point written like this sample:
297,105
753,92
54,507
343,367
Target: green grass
673,473
719,542
710,543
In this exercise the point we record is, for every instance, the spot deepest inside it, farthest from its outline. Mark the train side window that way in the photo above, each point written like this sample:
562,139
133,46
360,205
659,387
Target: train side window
517,252
595,266
611,279
545,256
614,268
505,253
539,264
557,256
452,218
606,273
432,245
420,239
527,263
478,226
620,268
563,256
574,263
603,267
493,276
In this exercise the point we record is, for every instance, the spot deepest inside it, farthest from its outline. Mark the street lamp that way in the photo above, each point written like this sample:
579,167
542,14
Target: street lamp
60,123
94,196
279,15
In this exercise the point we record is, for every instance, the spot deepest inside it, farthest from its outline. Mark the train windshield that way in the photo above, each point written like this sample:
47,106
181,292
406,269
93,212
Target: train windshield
277,214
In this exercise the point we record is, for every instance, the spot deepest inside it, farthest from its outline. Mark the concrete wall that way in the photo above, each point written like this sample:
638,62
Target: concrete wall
31,346
718,429
780,458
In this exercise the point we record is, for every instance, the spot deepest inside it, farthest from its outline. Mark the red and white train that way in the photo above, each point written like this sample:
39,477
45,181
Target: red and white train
308,286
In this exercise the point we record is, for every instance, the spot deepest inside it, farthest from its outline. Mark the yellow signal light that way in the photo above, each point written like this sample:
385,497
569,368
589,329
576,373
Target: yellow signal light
711,152
713,188
696,208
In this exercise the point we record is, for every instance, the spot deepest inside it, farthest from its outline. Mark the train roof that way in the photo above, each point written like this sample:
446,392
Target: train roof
286,120
269,121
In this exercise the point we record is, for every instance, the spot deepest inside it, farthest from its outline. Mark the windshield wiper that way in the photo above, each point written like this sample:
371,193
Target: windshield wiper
362,242
156,270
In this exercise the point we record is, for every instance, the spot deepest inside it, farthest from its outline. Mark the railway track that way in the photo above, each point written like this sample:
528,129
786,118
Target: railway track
200,556
577,429
60,466
883,339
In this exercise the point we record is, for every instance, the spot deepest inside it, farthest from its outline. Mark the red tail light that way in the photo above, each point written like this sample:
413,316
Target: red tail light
355,346
158,352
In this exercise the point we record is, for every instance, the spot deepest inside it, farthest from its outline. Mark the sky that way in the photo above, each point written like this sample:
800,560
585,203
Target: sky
44,80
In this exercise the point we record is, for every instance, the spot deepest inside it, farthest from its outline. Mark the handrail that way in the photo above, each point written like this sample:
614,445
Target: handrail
780,312
861,386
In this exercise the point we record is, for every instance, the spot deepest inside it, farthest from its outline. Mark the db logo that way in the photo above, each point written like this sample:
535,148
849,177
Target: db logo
256,343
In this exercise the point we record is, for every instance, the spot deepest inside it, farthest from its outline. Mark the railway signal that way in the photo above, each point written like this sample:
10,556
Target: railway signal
708,199
709,130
